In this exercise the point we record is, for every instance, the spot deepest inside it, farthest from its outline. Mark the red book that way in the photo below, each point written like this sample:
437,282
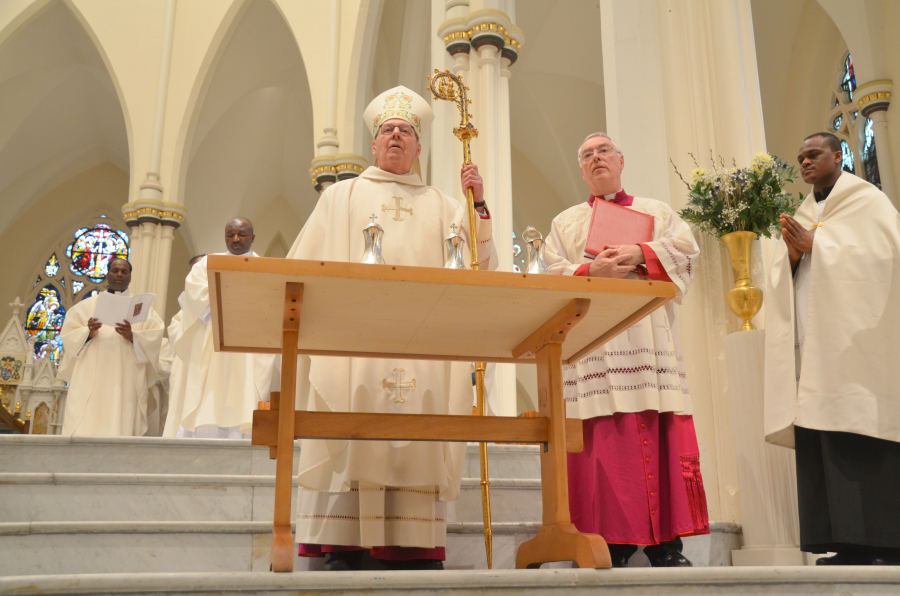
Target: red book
614,225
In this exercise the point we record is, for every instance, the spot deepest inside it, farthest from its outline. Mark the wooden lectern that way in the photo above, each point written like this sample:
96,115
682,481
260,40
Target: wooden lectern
384,311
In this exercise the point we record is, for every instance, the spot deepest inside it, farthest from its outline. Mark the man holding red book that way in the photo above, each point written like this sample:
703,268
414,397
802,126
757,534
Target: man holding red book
638,480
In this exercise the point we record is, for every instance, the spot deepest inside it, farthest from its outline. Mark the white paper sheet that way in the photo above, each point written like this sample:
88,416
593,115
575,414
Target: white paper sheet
115,308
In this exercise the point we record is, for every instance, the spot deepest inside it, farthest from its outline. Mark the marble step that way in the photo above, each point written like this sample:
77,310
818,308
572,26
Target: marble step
47,496
171,547
728,581
39,548
154,455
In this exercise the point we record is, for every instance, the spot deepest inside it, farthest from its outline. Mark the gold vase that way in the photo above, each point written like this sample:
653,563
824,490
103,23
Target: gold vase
744,300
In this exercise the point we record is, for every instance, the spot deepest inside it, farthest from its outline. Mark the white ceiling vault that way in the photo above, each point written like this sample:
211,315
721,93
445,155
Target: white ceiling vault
250,151
60,111
555,100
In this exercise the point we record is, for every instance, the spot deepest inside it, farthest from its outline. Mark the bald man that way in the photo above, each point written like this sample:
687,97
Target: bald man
220,390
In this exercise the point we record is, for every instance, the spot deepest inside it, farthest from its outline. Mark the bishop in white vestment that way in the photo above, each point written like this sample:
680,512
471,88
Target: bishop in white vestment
832,346
389,498
109,369
220,390
638,479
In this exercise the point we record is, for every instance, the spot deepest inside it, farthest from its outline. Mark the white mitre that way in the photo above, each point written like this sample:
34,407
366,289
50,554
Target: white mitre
401,103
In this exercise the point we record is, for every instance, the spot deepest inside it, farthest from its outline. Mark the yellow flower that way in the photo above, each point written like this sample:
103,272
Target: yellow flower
697,174
762,161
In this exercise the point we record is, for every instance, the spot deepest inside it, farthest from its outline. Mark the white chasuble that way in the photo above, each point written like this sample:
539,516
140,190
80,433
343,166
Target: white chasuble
109,377
379,493
642,368
219,390
840,313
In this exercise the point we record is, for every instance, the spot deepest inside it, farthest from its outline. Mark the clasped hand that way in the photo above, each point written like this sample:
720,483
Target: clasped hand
798,239
616,261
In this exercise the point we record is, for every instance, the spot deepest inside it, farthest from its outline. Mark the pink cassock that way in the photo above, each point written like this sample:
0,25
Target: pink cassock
638,479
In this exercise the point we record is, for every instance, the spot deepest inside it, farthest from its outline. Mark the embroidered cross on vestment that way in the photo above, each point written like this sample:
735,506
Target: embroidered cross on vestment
397,209
399,386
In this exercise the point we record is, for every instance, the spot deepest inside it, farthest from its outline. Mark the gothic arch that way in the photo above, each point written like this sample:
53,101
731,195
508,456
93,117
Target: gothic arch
247,135
13,36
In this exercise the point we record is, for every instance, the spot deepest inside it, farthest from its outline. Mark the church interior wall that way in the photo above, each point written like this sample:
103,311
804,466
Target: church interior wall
253,129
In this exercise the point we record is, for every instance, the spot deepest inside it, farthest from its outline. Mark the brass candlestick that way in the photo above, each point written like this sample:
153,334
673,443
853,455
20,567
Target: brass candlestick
449,87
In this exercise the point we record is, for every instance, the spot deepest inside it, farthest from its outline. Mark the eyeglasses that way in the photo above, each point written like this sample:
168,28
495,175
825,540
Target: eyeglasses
388,129
602,151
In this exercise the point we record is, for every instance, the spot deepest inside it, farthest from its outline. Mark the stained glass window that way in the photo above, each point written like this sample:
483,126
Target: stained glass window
94,248
838,120
870,154
37,281
91,293
848,165
76,287
52,266
43,322
848,81
62,282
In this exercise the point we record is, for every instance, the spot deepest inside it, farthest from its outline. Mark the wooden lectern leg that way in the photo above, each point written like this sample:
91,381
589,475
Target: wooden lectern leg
282,537
558,539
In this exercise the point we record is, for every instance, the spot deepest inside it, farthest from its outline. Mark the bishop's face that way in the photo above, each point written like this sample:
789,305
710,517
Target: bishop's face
396,146
601,166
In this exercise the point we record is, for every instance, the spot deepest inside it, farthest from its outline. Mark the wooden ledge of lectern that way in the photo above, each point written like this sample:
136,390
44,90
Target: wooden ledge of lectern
557,539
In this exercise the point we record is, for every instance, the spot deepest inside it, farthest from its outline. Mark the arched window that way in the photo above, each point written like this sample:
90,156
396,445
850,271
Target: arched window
72,270
856,134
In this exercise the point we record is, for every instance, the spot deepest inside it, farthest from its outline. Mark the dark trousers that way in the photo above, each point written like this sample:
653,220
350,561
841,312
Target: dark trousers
626,550
848,490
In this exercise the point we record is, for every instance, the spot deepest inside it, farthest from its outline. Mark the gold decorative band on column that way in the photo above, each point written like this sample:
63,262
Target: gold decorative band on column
322,172
149,211
480,28
328,169
874,96
349,165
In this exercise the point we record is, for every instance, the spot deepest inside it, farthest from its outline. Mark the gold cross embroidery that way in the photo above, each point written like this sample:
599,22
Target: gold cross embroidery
399,386
398,210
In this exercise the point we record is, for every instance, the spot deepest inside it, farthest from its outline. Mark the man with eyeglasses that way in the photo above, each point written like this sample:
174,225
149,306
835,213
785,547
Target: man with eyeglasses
378,504
638,480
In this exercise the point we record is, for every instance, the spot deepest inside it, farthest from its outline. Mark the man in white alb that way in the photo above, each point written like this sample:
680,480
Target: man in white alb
374,502
220,389
109,369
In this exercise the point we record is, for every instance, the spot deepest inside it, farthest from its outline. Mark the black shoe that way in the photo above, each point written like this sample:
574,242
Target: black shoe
669,557
416,565
618,560
350,560
845,558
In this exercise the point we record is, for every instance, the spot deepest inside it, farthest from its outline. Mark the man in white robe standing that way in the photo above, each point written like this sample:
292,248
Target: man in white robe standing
638,480
109,369
375,503
832,346
176,371
221,389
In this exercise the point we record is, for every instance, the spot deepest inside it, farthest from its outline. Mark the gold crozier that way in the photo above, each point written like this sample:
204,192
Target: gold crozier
397,209
399,386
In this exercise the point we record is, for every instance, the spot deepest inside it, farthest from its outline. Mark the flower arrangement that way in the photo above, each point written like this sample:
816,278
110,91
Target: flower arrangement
724,200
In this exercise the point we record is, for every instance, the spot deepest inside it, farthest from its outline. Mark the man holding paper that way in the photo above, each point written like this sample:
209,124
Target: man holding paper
638,480
220,390
112,342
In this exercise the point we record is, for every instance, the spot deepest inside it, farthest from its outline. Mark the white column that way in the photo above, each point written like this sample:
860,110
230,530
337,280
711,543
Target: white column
885,158
874,100
323,168
767,475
